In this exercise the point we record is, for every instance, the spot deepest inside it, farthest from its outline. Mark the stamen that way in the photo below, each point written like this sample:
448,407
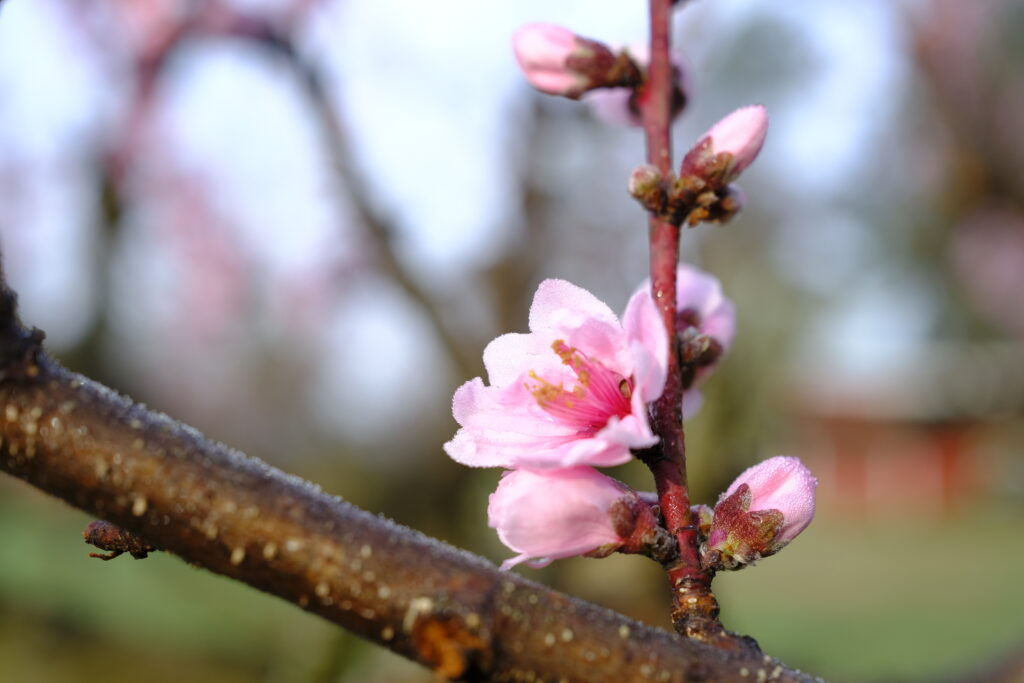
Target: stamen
597,395
625,390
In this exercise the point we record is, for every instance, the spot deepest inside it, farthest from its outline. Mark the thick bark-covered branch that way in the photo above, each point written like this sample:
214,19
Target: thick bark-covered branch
234,515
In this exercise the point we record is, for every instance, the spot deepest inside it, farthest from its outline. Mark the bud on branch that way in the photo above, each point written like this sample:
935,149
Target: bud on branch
556,61
703,193
727,149
546,516
761,512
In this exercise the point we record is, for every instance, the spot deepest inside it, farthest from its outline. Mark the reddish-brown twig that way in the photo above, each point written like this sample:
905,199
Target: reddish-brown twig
695,609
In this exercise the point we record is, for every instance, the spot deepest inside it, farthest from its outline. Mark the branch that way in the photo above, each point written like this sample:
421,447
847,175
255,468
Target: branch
1007,667
694,607
234,515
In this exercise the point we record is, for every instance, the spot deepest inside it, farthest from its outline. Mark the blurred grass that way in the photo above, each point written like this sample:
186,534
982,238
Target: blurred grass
882,600
67,617
887,599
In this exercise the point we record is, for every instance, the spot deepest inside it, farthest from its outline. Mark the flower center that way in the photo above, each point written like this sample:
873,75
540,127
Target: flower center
597,395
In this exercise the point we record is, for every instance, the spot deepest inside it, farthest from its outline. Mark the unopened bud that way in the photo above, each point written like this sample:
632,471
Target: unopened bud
703,516
728,147
549,515
763,510
634,519
644,179
646,185
556,61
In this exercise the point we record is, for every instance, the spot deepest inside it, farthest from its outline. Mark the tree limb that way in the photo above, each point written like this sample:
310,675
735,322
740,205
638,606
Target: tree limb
234,515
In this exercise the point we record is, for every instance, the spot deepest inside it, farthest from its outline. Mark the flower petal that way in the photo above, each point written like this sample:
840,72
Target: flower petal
648,344
500,428
551,515
506,357
693,399
702,292
555,300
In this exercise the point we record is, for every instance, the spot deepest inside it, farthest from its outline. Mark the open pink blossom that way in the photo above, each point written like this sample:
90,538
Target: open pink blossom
550,515
556,61
741,135
573,391
781,483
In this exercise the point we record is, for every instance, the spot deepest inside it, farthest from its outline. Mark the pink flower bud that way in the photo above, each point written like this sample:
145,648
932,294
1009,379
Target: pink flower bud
550,515
763,510
558,62
739,135
781,483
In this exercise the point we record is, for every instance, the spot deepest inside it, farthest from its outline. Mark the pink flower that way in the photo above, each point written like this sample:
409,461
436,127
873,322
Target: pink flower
550,515
740,135
573,391
781,483
558,62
